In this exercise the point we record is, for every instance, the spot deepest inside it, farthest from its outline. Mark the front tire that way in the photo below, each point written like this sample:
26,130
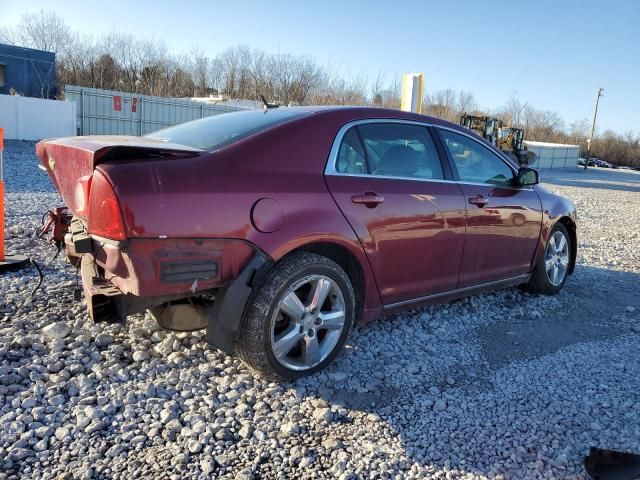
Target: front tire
552,270
298,319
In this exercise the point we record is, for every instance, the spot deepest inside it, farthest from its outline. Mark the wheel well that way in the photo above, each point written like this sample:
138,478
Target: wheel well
347,261
571,228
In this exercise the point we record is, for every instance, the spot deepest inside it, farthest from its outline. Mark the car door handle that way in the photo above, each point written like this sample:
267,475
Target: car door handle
369,199
478,200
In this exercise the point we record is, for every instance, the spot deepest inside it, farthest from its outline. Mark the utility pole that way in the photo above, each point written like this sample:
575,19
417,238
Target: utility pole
593,125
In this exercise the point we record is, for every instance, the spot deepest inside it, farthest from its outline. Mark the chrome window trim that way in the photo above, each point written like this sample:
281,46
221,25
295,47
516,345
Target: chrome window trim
330,168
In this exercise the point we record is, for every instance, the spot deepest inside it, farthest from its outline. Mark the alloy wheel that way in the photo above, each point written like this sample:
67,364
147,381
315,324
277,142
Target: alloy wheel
308,322
557,258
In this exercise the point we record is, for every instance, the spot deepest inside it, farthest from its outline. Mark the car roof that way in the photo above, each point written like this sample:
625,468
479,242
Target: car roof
349,113
342,114
367,112
364,112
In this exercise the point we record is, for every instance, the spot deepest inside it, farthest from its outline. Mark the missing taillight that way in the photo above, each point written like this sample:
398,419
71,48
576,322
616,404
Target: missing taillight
81,195
104,217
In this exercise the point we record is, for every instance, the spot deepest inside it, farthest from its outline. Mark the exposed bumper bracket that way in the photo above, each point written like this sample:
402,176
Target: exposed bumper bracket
228,307
101,296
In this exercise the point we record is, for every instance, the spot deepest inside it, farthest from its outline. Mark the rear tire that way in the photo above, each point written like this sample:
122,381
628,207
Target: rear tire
551,271
298,319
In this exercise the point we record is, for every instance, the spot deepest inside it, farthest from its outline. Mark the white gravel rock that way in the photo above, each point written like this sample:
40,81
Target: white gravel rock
140,356
246,431
338,376
289,428
103,339
439,406
29,403
207,466
57,330
194,446
62,433
323,415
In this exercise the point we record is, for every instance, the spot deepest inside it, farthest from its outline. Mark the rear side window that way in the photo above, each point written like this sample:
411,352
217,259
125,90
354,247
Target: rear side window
351,156
400,150
475,162
215,132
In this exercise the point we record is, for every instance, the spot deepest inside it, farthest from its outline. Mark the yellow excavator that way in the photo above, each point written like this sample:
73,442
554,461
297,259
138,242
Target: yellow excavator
508,139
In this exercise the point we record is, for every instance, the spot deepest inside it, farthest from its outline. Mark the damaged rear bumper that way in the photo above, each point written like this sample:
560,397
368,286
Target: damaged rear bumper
149,267
124,278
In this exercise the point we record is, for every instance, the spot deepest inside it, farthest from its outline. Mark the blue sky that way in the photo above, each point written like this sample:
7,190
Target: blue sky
553,54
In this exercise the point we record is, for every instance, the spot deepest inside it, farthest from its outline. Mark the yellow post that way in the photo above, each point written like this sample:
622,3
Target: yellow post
412,84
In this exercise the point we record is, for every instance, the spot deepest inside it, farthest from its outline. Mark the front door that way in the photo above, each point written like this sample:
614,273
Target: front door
389,182
503,220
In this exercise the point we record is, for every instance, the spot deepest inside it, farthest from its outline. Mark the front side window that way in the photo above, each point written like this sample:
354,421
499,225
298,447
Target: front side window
476,163
400,150
2,75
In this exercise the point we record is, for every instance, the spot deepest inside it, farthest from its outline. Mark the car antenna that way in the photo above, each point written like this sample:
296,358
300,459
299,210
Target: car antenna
268,105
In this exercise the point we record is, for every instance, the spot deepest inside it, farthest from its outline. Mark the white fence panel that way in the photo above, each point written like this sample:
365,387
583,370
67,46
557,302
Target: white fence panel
26,118
110,112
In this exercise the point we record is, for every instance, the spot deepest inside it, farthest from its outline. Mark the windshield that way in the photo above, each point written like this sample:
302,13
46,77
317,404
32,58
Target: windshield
217,131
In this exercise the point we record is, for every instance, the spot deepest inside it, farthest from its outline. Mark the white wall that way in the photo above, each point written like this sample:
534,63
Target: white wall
25,118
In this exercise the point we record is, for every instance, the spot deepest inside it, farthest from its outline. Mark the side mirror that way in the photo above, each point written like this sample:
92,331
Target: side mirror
528,176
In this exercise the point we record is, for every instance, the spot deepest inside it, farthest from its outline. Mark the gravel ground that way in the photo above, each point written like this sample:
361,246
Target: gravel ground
502,385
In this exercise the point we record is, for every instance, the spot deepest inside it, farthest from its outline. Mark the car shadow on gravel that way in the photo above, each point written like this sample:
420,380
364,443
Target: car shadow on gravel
509,399
587,313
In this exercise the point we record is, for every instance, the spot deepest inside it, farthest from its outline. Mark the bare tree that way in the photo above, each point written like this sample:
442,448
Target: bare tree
466,102
617,149
377,90
579,132
43,30
442,104
515,113
200,70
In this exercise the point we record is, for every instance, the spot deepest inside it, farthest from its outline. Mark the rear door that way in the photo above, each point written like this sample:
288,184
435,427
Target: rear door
388,179
503,220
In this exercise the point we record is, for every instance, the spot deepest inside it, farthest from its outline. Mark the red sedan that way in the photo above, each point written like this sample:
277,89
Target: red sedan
278,230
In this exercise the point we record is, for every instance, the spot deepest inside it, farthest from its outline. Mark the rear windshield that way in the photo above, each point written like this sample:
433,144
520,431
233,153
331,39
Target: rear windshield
215,132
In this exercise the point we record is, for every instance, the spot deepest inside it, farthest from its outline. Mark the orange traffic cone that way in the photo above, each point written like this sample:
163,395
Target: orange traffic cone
7,262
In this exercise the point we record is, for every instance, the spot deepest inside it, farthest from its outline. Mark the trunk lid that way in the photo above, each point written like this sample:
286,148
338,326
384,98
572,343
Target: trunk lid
71,161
